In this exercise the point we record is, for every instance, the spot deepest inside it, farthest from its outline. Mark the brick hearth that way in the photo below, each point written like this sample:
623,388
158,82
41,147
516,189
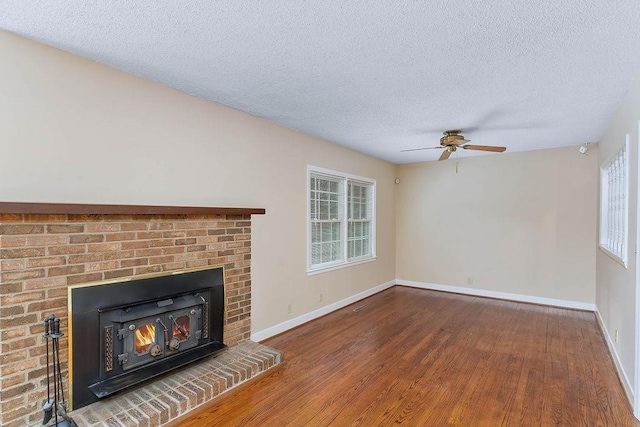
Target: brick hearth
42,254
179,392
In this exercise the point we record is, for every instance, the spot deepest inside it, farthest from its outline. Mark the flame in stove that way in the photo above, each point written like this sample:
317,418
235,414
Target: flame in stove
145,336
181,328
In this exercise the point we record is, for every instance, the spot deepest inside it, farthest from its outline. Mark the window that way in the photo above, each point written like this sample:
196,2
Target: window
614,202
341,219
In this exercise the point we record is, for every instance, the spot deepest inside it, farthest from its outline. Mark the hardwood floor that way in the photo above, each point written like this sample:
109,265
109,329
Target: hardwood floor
425,358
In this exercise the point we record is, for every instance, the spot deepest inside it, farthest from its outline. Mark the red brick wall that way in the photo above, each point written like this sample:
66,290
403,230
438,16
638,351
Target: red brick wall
41,255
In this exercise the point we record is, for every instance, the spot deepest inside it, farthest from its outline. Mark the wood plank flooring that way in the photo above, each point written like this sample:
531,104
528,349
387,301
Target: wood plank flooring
425,358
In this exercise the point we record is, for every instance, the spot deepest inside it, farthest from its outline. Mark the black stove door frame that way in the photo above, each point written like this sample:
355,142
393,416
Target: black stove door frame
126,345
86,339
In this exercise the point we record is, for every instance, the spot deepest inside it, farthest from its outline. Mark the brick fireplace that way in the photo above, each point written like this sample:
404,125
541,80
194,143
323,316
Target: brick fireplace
46,248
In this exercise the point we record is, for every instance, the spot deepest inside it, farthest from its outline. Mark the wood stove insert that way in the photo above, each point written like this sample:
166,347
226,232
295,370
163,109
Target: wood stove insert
123,333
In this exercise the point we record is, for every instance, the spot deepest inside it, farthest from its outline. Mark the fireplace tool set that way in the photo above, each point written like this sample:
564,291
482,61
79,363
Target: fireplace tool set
56,406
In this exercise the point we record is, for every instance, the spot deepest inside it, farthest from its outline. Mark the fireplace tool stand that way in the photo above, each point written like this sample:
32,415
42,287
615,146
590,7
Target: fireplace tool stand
57,406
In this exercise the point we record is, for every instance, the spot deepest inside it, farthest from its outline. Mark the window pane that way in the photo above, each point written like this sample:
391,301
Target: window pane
359,201
334,213
315,253
336,251
336,230
312,204
366,249
324,210
326,253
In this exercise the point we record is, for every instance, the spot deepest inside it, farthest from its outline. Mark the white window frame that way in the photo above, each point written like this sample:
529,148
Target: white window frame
614,206
344,179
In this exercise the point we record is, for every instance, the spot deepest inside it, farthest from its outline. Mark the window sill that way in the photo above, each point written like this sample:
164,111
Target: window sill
613,256
339,266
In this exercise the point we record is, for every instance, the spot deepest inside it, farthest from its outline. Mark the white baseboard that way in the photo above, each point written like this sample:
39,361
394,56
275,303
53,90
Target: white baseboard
499,295
616,360
297,321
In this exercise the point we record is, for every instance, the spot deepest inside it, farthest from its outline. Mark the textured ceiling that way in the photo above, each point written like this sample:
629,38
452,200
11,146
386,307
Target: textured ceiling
376,76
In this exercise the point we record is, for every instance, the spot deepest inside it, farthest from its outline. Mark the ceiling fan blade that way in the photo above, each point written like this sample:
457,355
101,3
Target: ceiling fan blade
484,148
458,143
445,155
418,149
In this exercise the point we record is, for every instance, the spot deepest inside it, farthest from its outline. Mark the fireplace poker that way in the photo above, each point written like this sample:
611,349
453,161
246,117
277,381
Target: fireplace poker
58,371
57,405
48,405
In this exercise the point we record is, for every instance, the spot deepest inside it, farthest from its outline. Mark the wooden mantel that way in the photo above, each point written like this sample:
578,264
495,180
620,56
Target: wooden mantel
92,209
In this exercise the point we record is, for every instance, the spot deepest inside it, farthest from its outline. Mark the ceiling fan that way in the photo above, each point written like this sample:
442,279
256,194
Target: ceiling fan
452,140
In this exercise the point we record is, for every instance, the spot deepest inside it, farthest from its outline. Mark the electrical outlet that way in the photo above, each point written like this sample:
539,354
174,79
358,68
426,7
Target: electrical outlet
321,297
469,280
289,310
616,336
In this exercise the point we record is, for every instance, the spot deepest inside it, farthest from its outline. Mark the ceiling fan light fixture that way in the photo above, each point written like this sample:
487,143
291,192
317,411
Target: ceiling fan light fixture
452,137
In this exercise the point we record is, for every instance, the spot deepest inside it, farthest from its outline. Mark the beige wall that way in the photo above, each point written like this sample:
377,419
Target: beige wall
72,130
616,285
521,223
